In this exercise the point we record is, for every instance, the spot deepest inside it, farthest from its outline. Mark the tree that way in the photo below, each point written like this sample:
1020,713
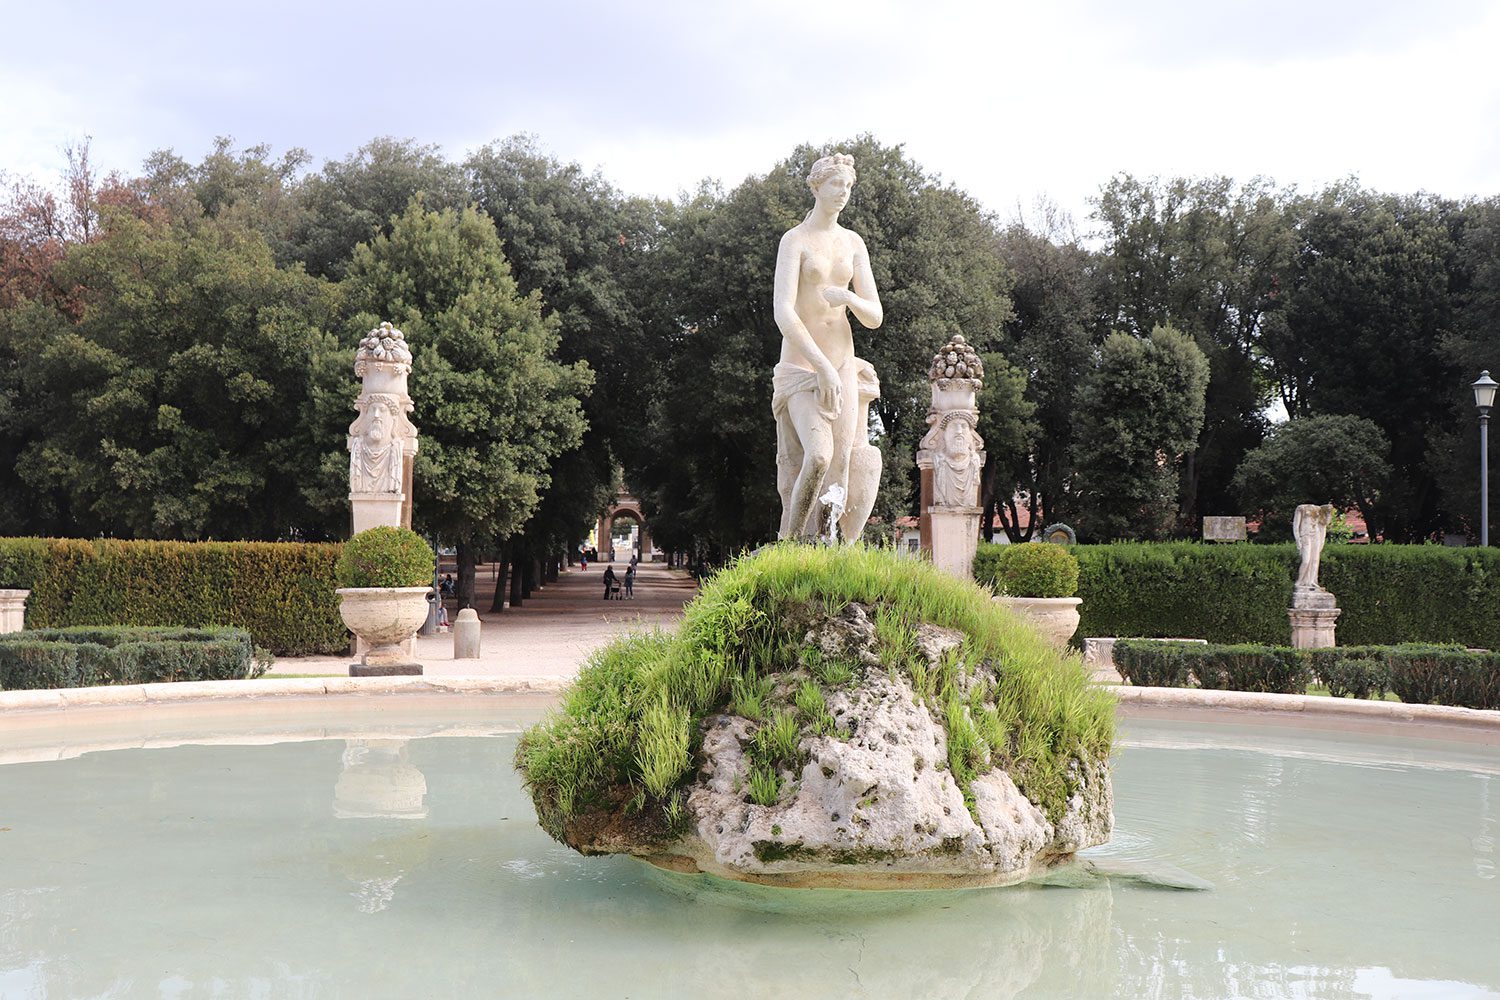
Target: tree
245,186
1139,410
1453,423
1050,339
577,241
1368,307
1341,460
351,201
493,405
1207,257
167,408
1009,429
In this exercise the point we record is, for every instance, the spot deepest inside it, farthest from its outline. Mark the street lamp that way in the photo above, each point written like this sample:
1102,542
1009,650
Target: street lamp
1484,398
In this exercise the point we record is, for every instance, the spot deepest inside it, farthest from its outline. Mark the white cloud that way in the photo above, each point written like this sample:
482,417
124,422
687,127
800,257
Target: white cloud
1008,100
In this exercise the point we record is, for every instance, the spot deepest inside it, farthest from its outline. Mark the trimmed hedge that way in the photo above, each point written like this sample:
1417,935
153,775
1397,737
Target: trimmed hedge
1416,673
281,592
84,657
1390,594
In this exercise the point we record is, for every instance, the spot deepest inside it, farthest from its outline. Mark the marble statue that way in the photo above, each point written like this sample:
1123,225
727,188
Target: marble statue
374,450
1310,528
951,459
955,468
382,440
821,392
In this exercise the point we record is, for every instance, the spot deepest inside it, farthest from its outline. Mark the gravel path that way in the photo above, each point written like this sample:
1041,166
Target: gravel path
550,635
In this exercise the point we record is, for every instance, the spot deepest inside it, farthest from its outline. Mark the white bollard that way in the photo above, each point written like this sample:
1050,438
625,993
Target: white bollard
466,635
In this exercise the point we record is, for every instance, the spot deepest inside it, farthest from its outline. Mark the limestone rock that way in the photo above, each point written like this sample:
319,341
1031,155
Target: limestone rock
875,804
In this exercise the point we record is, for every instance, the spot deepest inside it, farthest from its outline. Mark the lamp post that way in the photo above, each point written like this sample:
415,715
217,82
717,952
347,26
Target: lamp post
1484,398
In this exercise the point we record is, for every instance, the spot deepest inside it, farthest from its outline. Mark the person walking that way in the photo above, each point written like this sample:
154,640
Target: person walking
609,580
630,581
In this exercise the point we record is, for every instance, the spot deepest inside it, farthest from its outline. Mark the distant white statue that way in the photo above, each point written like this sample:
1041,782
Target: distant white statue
955,468
821,392
374,449
1310,529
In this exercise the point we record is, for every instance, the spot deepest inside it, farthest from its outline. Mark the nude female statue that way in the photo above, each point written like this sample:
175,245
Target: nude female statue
821,391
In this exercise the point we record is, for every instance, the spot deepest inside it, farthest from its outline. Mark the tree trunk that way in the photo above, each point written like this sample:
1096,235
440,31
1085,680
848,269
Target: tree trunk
1188,506
532,578
502,578
467,558
552,568
987,485
517,555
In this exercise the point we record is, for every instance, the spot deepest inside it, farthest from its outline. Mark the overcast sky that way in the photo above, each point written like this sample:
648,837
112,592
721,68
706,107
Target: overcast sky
1010,101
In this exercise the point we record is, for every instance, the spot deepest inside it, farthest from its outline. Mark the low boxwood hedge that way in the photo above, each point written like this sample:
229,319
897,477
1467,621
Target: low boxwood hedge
1414,672
281,592
83,657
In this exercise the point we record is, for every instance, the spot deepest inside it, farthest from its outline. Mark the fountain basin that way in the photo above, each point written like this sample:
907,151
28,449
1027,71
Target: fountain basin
204,853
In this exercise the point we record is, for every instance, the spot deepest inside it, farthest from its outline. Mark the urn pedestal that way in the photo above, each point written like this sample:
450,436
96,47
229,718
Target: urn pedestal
1055,617
384,618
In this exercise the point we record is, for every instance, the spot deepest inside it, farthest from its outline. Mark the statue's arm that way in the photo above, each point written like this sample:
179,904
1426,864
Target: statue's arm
865,300
784,305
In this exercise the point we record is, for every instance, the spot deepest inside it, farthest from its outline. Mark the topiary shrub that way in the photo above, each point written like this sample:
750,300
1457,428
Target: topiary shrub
1031,569
385,557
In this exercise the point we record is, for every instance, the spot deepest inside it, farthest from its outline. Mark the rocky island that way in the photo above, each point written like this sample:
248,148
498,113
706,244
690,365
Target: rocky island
831,717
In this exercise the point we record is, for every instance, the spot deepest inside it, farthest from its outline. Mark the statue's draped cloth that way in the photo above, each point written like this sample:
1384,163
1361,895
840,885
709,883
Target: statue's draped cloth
788,379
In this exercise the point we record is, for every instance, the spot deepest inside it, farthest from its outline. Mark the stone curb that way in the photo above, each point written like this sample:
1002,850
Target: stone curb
1249,701
136,695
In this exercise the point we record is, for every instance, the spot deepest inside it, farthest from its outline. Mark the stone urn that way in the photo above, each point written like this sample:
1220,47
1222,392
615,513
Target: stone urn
1055,617
384,617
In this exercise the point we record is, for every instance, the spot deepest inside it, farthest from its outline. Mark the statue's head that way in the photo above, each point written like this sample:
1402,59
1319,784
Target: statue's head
378,421
957,442
837,167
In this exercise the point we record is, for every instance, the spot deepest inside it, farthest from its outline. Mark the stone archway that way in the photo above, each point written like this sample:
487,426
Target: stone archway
624,507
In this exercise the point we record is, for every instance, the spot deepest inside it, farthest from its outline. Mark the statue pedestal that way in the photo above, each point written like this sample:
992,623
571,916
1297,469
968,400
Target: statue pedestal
372,510
13,610
955,539
1313,614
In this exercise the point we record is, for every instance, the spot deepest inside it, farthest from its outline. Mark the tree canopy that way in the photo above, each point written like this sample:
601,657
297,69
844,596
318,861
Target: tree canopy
175,345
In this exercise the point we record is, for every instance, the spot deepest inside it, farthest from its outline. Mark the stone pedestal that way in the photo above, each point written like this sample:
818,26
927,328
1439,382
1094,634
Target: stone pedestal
1313,614
13,610
466,635
954,539
373,510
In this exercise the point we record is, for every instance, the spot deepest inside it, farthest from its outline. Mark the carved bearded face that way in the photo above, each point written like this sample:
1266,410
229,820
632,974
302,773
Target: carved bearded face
378,428
956,440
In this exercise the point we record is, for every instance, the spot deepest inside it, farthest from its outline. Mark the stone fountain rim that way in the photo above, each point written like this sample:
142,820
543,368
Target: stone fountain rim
264,690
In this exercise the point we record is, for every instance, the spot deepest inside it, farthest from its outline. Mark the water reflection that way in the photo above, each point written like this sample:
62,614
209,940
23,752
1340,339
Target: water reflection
379,782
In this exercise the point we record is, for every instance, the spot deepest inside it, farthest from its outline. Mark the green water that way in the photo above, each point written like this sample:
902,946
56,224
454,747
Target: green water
1342,866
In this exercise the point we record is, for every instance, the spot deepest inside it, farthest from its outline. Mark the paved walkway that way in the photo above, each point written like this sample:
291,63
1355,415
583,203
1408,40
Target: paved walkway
550,635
